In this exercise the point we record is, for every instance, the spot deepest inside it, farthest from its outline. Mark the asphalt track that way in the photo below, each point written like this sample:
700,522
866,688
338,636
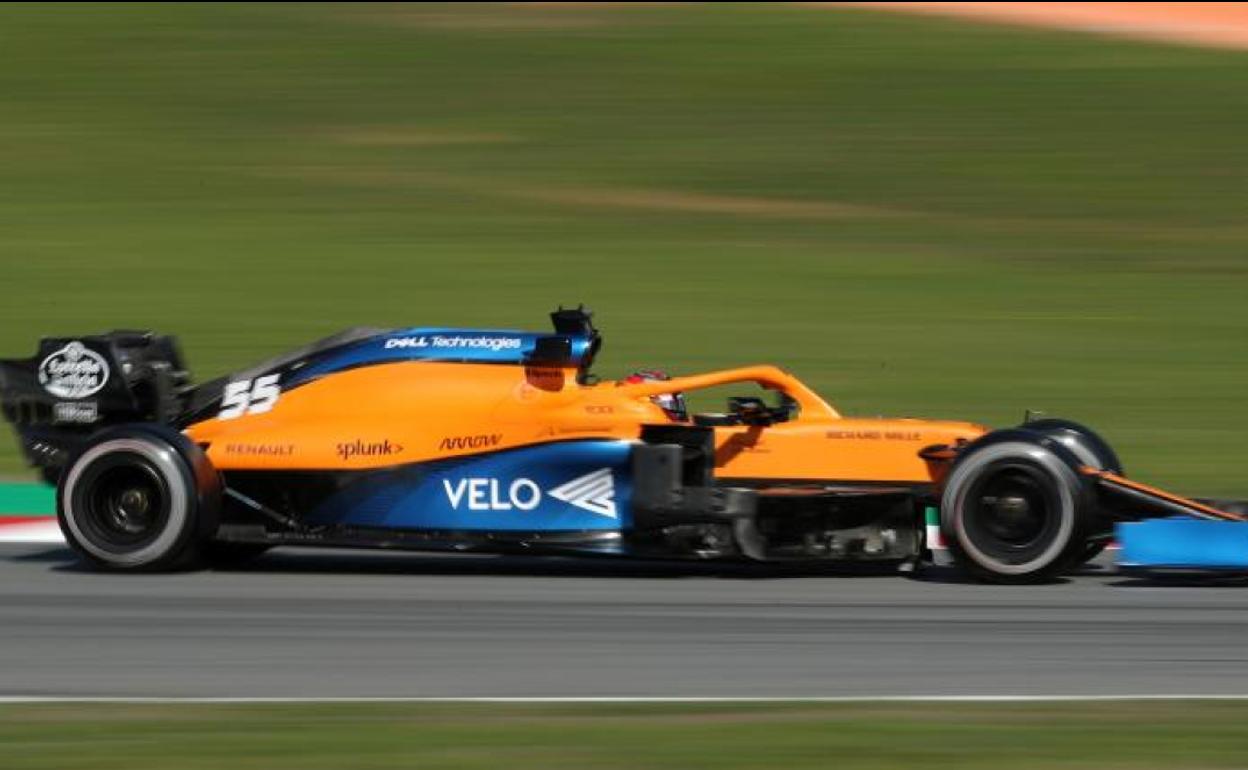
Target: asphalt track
336,624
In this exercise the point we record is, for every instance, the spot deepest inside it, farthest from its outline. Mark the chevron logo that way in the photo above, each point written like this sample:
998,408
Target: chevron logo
594,492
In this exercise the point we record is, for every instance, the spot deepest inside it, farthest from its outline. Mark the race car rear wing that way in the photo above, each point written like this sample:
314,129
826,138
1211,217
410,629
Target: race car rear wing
74,385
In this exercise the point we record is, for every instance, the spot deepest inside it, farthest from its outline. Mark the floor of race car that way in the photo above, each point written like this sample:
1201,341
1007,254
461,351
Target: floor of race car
316,624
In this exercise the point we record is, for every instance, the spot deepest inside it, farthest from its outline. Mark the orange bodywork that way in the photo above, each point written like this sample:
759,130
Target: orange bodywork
417,411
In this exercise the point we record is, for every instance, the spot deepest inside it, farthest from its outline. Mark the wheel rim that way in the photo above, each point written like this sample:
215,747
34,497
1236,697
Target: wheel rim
124,502
1012,513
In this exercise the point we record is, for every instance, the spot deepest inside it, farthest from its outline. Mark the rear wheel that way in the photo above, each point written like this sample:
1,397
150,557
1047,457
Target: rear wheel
132,500
1014,511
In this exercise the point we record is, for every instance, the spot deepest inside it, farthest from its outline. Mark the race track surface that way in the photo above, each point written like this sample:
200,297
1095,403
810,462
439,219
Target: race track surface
343,624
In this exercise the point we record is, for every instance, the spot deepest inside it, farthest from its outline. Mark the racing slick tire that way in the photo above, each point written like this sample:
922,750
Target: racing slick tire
1092,450
1083,442
138,498
1014,510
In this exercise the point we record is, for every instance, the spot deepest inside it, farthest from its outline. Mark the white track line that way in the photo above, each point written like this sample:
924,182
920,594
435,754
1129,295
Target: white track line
34,699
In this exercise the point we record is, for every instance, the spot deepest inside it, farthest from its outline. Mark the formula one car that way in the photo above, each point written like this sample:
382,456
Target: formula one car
503,441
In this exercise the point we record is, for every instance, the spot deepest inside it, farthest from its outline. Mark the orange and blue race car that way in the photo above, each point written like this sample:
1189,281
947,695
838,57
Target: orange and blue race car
504,441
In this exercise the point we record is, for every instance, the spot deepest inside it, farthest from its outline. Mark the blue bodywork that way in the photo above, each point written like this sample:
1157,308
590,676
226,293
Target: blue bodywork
560,487
437,344
1183,542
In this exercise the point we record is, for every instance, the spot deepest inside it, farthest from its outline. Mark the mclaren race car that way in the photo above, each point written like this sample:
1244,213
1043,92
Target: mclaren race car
503,441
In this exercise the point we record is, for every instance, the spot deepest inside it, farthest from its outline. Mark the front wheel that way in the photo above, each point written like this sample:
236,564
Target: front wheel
1015,511
1091,450
132,500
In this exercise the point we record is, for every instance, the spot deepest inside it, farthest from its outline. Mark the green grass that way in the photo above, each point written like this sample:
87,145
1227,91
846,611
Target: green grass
918,216
681,737
26,499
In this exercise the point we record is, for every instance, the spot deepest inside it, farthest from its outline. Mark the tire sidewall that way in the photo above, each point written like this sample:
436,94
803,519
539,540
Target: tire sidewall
1065,544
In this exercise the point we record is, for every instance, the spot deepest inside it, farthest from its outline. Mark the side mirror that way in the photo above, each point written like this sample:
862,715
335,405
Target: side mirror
551,351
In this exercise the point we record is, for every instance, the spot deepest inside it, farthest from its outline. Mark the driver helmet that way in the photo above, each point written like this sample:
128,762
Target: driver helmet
672,404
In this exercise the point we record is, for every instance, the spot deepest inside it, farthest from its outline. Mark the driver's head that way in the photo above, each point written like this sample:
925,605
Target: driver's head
672,404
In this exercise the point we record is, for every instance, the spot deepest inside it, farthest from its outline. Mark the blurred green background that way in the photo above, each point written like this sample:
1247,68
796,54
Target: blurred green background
918,216
1121,735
